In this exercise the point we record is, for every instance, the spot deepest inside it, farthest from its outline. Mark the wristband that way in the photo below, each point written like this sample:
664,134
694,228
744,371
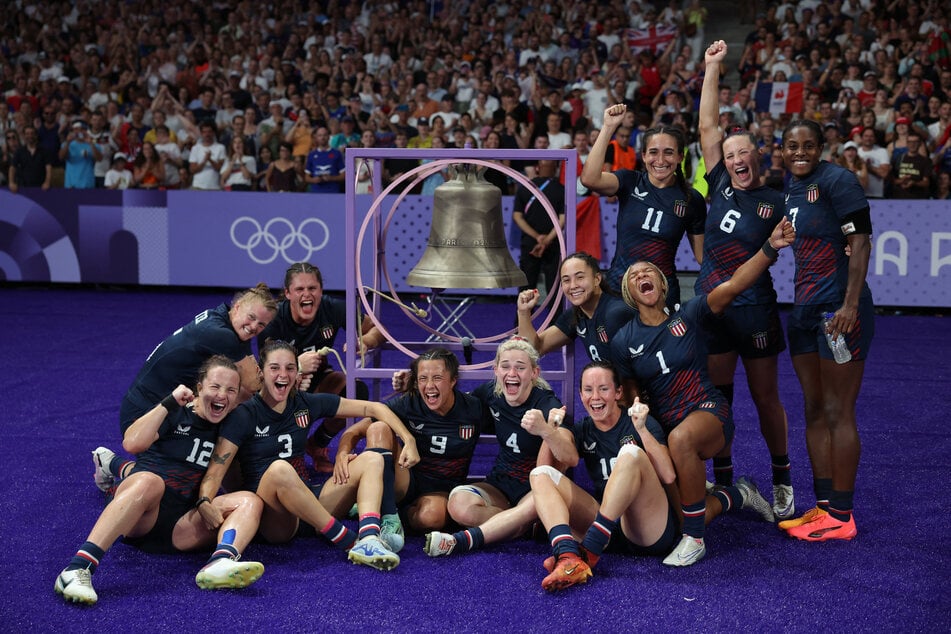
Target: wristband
770,251
170,404
201,501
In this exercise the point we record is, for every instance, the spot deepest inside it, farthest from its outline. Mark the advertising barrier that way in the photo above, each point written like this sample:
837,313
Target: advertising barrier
229,239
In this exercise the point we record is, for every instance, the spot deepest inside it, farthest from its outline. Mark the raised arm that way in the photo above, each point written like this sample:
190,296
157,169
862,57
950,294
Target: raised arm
144,431
549,339
744,277
592,176
709,115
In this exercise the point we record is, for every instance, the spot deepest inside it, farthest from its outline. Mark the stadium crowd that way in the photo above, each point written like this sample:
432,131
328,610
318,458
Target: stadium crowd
232,95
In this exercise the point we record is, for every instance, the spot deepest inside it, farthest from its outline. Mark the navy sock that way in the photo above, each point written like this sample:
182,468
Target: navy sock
469,539
723,470
823,489
599,534
694,518
730,497
224,551
562,541
117,464
781,469
840,505
338,534
87,556
388,502
369,525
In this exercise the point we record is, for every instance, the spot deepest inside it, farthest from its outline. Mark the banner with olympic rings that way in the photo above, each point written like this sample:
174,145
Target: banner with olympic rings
235,240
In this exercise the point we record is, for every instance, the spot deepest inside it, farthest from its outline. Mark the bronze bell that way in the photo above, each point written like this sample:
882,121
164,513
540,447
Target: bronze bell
466,246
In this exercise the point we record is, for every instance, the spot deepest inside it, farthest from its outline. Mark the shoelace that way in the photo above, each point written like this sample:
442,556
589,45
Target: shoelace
84,577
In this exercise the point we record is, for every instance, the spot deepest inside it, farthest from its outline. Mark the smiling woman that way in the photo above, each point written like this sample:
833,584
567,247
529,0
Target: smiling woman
662,352
742,214
656,207
225,330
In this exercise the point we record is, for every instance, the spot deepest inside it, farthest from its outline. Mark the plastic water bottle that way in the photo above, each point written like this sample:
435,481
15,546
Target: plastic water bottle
840,351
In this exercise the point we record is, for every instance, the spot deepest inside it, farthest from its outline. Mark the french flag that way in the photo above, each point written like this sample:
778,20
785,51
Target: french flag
779,96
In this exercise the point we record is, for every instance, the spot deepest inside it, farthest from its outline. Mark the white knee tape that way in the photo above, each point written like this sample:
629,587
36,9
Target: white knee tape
549,471
473,490
631,449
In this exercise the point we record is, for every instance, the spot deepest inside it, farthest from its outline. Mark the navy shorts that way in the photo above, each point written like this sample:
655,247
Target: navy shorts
420,485
621,544
754,331
720,408
159,540
512,488
806,334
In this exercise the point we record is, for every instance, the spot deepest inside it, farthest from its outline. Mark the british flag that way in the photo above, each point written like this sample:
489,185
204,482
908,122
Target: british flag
654,38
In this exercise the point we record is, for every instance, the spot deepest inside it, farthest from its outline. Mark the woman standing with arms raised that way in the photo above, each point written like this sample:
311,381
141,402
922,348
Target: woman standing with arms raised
742,214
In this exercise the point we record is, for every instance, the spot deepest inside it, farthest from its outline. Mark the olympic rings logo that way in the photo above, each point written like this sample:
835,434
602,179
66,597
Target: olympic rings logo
279,237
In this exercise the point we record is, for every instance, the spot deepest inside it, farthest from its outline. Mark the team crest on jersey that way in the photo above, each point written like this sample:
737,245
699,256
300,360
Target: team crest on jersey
327,332
302,418
183,429
677,327
466,431
602,334
759,340
708,405
680,208
628,440
764,211
812,192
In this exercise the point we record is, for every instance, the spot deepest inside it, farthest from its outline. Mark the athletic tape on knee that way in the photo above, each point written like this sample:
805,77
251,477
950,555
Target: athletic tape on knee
474,490
549,471
631,449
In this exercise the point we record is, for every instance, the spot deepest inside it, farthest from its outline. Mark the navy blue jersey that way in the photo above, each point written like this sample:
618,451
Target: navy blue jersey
518,449
651,222
816,205
738,223
321,332
445,443
177,359
181,452
610,314
598,449
669,362
263,435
